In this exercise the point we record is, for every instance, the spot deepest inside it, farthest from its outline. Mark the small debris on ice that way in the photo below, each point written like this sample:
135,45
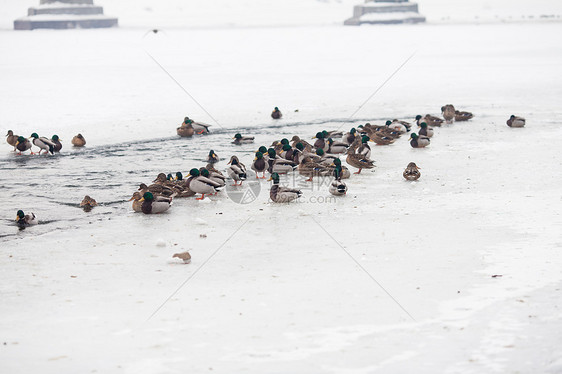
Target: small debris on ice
160,243
200,221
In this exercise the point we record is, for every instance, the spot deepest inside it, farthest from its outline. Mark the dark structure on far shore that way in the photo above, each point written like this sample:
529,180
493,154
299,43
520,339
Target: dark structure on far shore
65,14
385,12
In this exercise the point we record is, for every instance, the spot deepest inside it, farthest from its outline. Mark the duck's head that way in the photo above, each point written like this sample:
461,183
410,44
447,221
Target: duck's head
262,149
414,136
337,162
79,136
412,165
179,176
353,130
259,155
20,215
284,141
276,109
271,153
21,139
286,147
10,133
148,196
136,196
34,136
204,172
169,177
295,138
143,186
275,178
299,146
55,138
320,152
318,135
512,117
233,160
186,119
423,125
325,134
365,139
388,123
418,117
194,172
212,154
160,178
238,136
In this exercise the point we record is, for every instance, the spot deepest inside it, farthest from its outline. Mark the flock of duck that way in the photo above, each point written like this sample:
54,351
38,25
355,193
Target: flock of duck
320,159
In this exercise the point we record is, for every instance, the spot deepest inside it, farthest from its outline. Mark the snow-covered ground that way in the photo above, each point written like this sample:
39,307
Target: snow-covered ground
275,288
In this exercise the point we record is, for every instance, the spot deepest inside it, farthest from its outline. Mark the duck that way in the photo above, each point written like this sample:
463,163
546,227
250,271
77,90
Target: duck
515,121
154,205
12,139
420,141
462,116
337,187
448,112
359,160
239,139
78,141
276,114
43,144
157,189
406,124
349,137
58,145
88,203
23,145
185,256
280,194
24,220
429,119
412,172
277,164
182,185
215,177
311,168
236,170
212,158
259,165
202,185
298,152
396,126
425,130
336,147
287,152
364,148
185,130
296,139
136,199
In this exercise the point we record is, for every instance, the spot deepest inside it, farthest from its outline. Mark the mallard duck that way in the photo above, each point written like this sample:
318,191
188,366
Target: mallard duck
462,116
202,185
420,141
349,137
23,145
425,130
154,205
337,187
259,165
43,144
412,172
295,140
137,203
12,139
406,124
212,158
276,114
310,168
215,173
515,121
431,121
24,220
280,194
298,152
359,160
239,139
157,189
236,170
364,148
78,141
320,141
218,178
182,186
277,164
448,112
88,203
185,256
396,126
336,147
58,145
287,152
185,130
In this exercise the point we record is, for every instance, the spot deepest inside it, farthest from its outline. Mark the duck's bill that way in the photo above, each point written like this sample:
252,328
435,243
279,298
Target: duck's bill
270,179
131,199
142,199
